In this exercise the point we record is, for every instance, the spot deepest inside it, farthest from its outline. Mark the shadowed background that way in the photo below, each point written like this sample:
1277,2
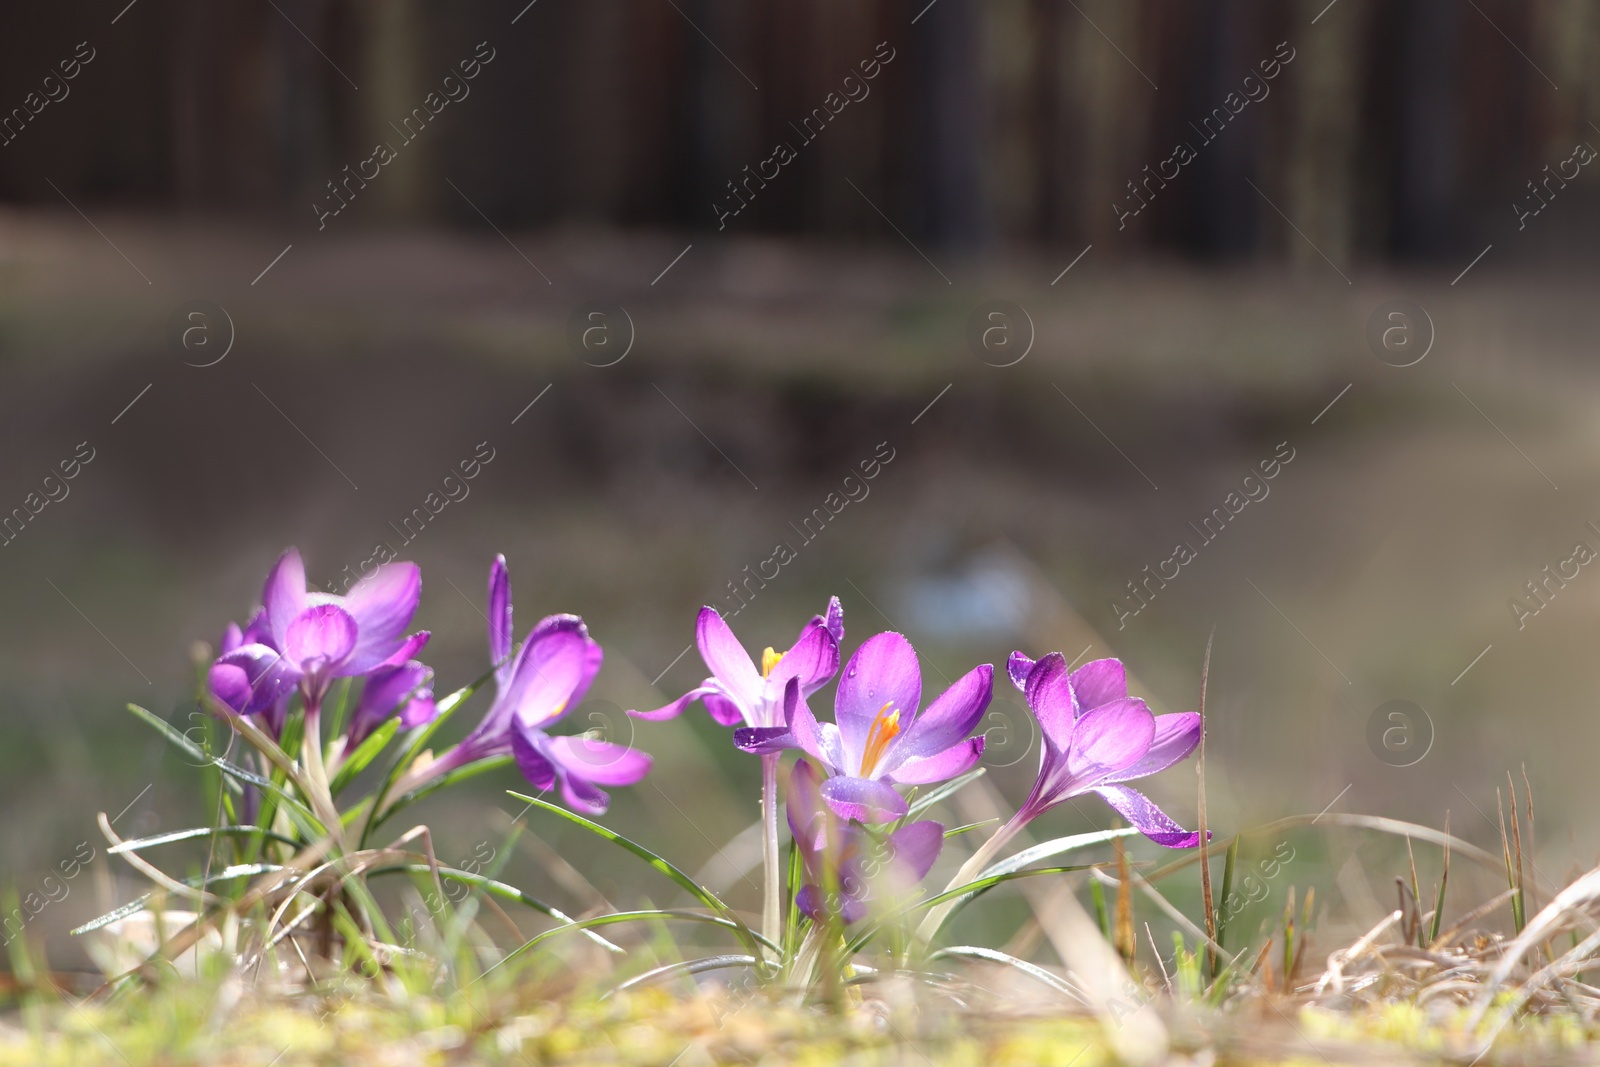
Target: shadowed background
1184,329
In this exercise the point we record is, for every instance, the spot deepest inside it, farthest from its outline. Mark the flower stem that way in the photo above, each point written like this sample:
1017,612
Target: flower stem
771,923
317,775
969,871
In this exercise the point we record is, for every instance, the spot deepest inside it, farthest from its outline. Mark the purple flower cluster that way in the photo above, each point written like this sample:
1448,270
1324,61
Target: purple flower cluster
1096,738
300,642
846,809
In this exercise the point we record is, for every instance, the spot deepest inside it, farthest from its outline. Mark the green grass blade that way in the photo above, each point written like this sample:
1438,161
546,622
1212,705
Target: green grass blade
139,844
699,892
1032,970
499,889
364,754
709,963
133,907
1051,849
948,789
176,737
470,770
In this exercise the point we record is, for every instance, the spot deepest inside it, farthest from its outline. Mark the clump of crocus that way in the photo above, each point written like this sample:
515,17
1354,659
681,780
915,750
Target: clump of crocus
879,740
534,690
1096,737
738,692
845,868
303,640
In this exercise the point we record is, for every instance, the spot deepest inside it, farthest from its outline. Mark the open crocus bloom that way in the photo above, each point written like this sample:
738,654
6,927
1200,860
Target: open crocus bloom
878,740
844,867
737,692
1097,737
547,678
305,639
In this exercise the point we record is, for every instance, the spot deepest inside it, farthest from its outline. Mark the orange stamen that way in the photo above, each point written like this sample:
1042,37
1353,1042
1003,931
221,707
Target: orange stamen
885,728
769,660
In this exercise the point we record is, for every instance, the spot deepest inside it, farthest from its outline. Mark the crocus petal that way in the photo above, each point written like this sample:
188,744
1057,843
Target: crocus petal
1176,736
814,660
726,658
803,805
813,737
883,672
232,638
833,619
1142,813
1100,682
1018,666
946,722
419,709
527,750
552,667
500,632
407,649
320,638
916,846
583,795
597,761
385,689
1049,694
284,596
383,606
764,740
863,799
941,766
1110,738
723,711
676,708
251,679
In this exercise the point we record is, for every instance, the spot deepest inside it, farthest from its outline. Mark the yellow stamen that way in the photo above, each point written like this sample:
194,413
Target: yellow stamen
769,660
885,728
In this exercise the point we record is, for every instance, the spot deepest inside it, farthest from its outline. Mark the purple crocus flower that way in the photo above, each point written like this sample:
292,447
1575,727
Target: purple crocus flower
533,691
1096,737
304,640
878,740
737,692
843,865
407,688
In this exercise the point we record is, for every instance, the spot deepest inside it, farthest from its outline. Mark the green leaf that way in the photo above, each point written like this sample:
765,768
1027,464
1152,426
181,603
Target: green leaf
962,895
184,745
139,844
299,814
699,892
709,963
470,770
1054,848
415,743
1032,970
133,907
364,754
635,916
948,789
499,889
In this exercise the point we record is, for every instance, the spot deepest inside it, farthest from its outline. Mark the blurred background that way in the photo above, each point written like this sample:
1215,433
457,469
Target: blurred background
1083,271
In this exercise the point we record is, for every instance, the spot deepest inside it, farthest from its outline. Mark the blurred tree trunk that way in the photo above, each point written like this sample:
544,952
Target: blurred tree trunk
1324,88
1428,151
1112,107
392,86
951,143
